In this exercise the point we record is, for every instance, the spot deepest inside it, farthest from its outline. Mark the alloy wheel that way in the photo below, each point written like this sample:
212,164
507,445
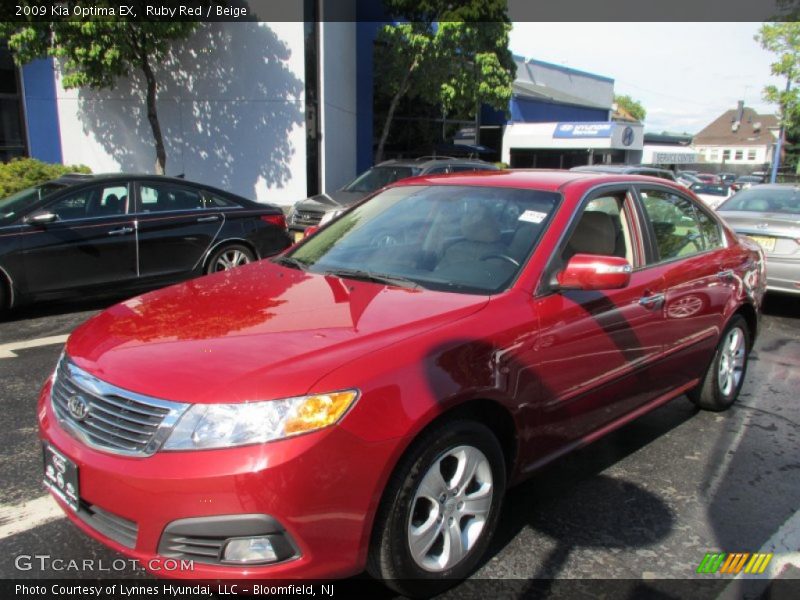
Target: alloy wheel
450,508
731,361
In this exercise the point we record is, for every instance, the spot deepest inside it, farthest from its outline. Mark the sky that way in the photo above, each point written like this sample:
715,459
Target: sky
684,74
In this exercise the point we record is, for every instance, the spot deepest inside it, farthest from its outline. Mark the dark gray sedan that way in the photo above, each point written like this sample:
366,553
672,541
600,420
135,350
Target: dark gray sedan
770,215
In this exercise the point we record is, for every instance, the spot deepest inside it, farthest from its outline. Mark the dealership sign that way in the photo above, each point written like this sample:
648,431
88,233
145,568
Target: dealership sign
601,129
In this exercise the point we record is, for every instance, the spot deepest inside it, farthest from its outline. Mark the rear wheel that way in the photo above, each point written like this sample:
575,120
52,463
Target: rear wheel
725,375
440,509
229,257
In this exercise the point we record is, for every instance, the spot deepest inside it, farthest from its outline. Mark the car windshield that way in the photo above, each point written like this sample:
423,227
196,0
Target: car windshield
378,177
449,238
19,202
710,189
765,199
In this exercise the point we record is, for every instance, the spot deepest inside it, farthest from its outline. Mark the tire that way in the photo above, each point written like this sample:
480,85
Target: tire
725,374
450,528
229,257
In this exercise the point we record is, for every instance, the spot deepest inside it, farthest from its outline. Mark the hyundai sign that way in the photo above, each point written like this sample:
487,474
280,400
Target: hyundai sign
601,129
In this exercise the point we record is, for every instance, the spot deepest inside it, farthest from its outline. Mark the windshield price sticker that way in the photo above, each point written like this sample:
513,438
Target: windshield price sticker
532,216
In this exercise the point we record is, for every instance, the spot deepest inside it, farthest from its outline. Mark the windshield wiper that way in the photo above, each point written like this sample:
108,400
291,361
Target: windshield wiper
291,261
395,280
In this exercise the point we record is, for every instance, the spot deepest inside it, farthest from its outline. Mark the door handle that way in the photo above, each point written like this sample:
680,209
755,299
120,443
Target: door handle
653,301
121,231
726,274
208,219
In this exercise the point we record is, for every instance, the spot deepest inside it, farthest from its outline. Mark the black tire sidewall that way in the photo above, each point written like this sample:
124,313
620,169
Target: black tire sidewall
710,396
426,451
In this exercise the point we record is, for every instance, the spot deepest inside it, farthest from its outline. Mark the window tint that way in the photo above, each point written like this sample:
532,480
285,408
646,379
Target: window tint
214,201
677,225
91,203
437,171
162,197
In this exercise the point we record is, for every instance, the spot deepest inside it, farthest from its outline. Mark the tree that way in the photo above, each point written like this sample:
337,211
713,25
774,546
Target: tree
633,107
94,51
454,55
783,39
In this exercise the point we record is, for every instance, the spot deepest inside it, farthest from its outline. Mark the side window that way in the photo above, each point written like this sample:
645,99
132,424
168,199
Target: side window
91,202
156,197
603,229
712,236
674,222
438,171
214,201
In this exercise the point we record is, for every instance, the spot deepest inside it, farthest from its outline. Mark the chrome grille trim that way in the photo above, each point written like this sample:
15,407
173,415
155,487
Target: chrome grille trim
118,421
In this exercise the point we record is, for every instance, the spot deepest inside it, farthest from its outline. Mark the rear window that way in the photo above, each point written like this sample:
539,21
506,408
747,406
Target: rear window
761,199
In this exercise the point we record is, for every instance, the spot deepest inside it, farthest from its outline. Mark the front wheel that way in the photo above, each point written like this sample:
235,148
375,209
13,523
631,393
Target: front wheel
725,375
229,257
440,509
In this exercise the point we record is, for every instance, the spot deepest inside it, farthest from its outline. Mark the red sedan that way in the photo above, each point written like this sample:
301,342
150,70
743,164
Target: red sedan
365,399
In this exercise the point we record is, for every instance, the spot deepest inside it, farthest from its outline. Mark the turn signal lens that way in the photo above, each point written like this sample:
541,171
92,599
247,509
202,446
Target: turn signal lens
319,411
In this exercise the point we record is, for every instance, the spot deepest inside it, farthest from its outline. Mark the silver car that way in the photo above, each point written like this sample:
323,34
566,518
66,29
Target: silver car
770,215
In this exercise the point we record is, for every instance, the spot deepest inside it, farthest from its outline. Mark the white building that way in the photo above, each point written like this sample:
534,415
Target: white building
738,137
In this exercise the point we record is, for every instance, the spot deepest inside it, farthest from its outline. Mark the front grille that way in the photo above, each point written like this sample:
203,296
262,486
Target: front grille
110,418
110,525
204,549
307,217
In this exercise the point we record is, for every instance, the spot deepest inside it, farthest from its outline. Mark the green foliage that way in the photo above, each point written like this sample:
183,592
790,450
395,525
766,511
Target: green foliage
633,107
21,173
452,55
783,39
94,51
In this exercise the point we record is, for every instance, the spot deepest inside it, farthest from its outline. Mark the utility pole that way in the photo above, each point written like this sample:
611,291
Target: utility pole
776,160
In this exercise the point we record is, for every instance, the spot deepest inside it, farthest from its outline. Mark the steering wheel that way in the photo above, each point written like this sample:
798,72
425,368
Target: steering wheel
513,261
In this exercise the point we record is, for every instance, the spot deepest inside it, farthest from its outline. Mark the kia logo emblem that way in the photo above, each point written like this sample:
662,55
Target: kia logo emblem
78,408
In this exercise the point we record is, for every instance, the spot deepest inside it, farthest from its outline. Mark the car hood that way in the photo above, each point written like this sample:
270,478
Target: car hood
330,200
762,222
261,331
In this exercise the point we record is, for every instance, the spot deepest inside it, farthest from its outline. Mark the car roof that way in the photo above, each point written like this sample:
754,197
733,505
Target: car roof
423,162
76,178
617,169
540,179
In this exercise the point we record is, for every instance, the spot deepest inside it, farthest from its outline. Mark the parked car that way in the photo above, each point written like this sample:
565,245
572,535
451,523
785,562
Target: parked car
727,178
687,179
747,181
627,170
366,398
311,211
770,215
712,194
90,234
709,178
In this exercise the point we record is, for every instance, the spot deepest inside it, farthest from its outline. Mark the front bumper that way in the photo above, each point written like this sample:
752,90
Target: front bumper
319,490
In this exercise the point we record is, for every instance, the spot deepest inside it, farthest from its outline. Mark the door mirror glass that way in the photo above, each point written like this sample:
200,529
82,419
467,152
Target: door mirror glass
595,272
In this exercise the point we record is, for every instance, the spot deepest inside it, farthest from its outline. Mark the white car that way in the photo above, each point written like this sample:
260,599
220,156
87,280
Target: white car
712,194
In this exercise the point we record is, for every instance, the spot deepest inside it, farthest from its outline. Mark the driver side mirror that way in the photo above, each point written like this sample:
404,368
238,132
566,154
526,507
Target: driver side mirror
41,218
594,272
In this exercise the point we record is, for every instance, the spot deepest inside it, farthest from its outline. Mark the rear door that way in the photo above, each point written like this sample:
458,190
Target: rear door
175,228
92,242
688,248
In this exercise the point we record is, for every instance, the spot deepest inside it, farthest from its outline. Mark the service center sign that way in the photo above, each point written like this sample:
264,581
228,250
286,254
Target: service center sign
602,129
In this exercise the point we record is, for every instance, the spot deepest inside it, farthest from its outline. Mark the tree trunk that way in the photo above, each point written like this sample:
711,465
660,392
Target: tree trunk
152,116
392,108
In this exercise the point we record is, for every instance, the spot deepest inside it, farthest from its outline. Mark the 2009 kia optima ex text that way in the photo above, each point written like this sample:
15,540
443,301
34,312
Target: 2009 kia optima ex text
365,399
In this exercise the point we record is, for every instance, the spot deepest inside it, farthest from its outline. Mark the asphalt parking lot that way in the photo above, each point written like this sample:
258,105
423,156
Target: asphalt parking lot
644,504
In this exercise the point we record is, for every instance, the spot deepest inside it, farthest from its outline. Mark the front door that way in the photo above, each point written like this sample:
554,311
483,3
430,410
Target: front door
91,242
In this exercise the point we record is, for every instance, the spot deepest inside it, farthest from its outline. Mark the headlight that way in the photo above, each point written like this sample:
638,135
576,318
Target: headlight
226,425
